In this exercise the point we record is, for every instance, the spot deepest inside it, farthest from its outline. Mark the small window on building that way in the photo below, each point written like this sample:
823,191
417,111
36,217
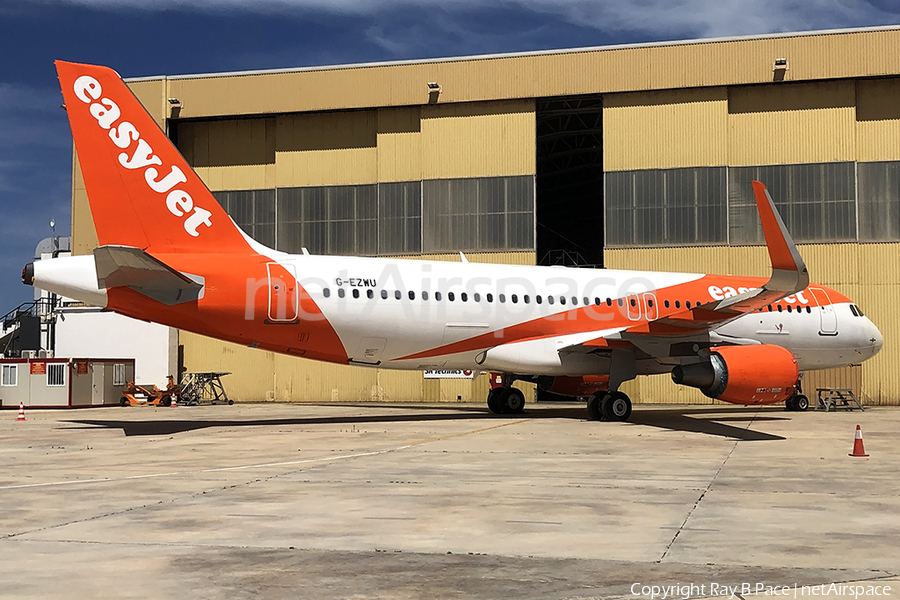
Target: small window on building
10,376
118,374
56,374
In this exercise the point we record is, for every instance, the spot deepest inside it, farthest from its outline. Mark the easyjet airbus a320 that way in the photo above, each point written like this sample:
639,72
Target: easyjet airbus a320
170,254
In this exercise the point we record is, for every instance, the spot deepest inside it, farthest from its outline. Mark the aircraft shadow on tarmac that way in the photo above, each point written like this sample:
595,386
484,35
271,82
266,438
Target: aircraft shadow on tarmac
675,419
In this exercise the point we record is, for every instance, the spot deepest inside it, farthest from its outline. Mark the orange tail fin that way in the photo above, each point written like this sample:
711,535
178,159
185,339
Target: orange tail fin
141,190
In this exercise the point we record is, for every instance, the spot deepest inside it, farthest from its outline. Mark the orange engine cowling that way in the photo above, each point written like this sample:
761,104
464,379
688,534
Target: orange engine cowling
762,374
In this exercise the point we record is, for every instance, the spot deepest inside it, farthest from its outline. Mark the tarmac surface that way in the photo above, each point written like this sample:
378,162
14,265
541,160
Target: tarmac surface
437,501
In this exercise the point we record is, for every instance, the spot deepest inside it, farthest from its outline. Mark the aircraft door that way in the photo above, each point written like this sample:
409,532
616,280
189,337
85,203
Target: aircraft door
827,314
633,307
283,296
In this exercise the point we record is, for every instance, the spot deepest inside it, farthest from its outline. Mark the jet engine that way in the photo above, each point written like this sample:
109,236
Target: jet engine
763,374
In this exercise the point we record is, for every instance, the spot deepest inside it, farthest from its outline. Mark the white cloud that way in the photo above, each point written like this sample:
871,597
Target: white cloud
702,18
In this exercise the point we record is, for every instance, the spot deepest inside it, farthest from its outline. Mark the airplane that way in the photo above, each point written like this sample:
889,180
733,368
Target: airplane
168,253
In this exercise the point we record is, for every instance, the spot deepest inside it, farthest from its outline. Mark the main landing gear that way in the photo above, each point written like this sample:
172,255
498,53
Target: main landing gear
506,400
606,406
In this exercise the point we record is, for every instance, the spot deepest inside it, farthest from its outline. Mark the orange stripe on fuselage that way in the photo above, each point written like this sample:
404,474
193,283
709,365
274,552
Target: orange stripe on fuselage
603,317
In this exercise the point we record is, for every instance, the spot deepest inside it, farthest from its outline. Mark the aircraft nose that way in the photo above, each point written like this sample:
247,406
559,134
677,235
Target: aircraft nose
875,338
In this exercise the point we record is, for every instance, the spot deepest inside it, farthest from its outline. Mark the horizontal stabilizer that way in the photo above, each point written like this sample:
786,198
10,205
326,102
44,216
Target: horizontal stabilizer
127,266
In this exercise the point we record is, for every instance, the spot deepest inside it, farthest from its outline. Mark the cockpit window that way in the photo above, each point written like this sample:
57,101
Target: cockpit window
858,310
853,310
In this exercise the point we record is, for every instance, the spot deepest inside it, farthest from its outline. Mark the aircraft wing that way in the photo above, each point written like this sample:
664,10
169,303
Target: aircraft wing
789,276
127,266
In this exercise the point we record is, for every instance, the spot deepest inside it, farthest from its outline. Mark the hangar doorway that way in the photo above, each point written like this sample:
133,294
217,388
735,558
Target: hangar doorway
569,180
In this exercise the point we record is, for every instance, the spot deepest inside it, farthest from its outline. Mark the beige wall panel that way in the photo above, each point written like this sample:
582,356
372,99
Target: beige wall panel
878,119
745,260
843,377
399,144
659,130
478,140
500,258
399,386
152,94
302,380
880,375
84,235
252,371
326,149
226,143
792,123
248,177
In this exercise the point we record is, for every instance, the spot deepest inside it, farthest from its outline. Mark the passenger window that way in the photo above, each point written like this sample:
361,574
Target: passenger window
678,304
687,304
779,308
666,302
341,292
562,299
464,297
397,294
450,296
424,295
789,308
574,301
502,297
650,303
632,303
326,292
609,301
384,294
370,293
549,299
526,299
770,308
477,297
412,295
587,300
356,293
538,299
437,296
809,311
490,297
515,299
621,303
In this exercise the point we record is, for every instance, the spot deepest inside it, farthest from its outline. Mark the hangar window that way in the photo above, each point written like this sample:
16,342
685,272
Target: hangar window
666,207
879,201
327,220
10,376
490,213
816,201
400,217
253,211
119,374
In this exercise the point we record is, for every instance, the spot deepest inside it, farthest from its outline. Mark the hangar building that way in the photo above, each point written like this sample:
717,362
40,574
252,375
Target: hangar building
634,157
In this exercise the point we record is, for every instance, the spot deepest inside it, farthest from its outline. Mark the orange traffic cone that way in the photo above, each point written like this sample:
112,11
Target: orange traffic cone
21,412
174,403
858,449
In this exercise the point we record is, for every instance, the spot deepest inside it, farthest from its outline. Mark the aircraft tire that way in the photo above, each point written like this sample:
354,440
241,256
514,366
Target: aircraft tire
514,401
616,407
595,413
801,403
496,401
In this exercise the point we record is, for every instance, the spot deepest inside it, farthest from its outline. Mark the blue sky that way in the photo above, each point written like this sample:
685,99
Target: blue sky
168,37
